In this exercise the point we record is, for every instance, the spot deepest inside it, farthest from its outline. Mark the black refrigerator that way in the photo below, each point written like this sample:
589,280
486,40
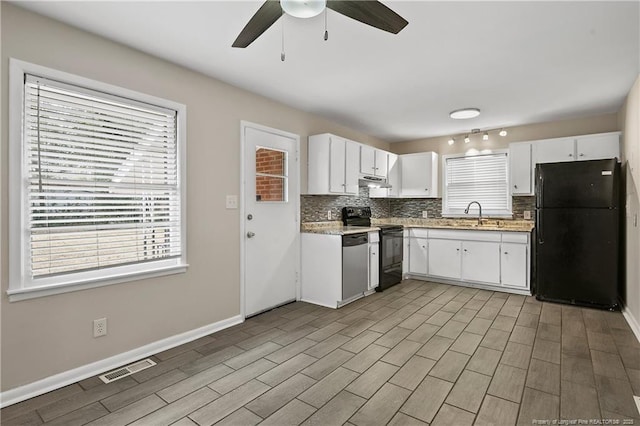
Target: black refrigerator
578,232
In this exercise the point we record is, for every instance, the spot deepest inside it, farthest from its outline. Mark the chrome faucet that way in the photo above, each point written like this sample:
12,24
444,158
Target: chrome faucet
466,211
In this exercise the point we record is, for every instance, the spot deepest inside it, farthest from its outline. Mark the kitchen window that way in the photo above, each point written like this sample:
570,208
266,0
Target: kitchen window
96,182
482,178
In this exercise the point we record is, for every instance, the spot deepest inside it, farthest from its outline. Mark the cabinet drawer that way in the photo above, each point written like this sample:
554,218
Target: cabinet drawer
418,232
515,237
456,234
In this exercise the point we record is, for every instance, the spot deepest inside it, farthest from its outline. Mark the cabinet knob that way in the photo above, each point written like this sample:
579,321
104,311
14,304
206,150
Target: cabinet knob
426,189
506,252
457,249
581,154
515,186
424,247
465,250
570,155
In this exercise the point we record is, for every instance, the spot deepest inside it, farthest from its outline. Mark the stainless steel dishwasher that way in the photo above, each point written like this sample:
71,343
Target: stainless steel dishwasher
355,261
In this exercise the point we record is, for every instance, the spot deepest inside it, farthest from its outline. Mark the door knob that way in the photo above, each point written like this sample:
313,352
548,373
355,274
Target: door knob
251,234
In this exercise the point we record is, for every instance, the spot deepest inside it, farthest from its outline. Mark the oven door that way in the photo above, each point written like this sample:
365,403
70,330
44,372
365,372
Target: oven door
390,257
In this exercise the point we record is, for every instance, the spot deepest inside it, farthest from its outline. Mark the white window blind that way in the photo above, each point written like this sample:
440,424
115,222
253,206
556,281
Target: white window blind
481,178
102,180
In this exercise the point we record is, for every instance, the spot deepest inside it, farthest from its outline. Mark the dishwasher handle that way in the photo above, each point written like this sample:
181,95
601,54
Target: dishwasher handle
354,240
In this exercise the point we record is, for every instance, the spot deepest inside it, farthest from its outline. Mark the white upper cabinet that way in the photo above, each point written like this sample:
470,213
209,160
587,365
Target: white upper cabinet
555,150
419,175
595,147
393,179
393,175
333,165
587,147
521,168
373,162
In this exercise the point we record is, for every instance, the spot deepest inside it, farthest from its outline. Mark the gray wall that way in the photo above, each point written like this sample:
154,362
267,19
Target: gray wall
49,335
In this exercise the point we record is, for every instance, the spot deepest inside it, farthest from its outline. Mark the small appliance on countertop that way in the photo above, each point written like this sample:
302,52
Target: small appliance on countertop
390,265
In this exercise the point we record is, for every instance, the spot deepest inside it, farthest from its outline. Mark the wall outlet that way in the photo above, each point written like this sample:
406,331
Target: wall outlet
329,214
527,214
99,327
425,214
232,202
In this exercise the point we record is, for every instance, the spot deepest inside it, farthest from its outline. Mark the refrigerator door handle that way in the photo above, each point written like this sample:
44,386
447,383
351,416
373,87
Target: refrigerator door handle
540,189
539,229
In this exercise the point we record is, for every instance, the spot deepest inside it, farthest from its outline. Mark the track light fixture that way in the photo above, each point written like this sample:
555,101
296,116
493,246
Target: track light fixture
485,135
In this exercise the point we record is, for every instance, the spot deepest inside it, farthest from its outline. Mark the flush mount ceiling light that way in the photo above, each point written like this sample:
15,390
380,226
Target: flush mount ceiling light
451,141
503,132
485,136
303,8
466,139
464,113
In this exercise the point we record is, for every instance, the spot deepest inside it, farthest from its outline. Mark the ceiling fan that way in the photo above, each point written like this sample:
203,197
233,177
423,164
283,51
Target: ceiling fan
368,12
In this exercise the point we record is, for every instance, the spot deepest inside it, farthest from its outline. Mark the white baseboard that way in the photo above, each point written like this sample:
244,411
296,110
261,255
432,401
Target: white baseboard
632,321
13,396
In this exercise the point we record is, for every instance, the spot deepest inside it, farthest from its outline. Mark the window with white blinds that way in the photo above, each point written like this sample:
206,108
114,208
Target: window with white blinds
101,193
481,178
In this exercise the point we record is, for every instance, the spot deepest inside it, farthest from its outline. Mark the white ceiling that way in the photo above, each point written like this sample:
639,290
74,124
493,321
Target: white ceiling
519,62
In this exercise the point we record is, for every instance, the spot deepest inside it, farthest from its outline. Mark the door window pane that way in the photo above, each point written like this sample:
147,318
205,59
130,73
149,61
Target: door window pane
271,175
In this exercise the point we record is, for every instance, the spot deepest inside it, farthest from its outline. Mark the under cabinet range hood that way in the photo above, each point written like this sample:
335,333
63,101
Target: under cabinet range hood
373,182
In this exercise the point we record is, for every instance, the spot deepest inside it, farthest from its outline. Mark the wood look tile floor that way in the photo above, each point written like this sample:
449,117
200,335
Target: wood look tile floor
418,353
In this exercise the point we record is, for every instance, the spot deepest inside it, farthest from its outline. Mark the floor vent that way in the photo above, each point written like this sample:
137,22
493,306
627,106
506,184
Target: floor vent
128,370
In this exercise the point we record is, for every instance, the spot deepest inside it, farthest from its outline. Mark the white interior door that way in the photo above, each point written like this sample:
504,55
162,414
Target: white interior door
270,218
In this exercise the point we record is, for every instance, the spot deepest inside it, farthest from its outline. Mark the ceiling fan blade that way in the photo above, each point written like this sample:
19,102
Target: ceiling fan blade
370,12
268,13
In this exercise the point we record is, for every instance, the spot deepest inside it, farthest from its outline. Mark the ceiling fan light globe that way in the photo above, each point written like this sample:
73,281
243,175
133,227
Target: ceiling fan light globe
303,8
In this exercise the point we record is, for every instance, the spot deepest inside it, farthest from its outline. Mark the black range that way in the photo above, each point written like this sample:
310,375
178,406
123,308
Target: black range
390,263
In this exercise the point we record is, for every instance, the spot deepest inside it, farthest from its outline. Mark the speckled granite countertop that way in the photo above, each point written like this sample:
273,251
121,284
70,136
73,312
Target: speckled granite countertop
471,224
336,227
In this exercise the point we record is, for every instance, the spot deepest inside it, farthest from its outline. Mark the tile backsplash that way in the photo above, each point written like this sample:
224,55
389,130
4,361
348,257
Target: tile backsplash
313,208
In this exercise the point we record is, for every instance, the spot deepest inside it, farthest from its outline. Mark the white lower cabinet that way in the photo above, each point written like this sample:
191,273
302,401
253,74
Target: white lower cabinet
444,258
512,258
484,259
374,260
418,256
481,261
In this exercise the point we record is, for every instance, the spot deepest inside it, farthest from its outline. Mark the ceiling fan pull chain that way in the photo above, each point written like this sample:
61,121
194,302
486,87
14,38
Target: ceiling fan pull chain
282,55
326,33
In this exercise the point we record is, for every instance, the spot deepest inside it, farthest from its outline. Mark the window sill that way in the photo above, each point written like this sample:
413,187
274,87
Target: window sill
16,295
505,215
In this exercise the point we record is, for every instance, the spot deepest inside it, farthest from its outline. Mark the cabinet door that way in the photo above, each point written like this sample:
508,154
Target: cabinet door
444,258
374,265
513,265
337,159
352,153
393,175
381,163
598,147
416,176
367,160
481,261
555,150
418,256
520,168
